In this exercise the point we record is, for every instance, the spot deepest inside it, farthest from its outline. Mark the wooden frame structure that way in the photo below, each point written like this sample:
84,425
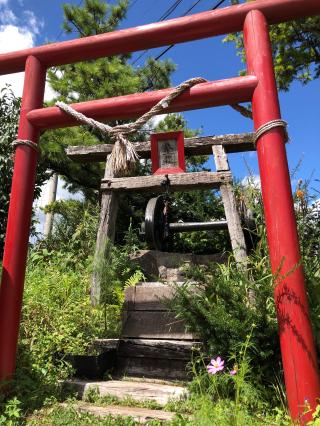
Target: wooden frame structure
221,179
296,338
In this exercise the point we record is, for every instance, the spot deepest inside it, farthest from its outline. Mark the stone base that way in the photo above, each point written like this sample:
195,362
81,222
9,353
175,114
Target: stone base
169,266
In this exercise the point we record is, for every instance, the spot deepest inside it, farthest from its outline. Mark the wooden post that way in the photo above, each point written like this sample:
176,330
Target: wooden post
52,190
106,233
234,224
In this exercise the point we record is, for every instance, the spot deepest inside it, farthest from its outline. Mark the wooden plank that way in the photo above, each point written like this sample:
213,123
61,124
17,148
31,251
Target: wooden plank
220,158
193,146
150,348
230,208
138,390
178,182
234,225
155,368
153,325
140,415
147,298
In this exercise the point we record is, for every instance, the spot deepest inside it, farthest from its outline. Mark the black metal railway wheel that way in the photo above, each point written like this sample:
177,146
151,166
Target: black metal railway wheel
155,223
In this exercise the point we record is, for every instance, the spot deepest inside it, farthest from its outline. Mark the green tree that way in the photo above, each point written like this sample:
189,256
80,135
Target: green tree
9,113
102,78
296,50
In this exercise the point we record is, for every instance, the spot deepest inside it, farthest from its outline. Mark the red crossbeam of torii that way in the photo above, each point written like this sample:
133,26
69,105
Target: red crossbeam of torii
296,339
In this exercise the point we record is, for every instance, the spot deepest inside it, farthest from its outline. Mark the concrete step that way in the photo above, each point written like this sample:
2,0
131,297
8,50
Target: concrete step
142,390
141,415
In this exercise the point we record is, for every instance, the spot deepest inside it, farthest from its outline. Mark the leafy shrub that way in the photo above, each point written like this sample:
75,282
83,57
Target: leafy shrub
75,228
57,317
223,301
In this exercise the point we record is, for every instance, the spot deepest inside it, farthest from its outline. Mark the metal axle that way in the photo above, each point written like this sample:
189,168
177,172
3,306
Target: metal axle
197,226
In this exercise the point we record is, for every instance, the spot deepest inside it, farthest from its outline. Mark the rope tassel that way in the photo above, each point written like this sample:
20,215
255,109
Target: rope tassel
124,155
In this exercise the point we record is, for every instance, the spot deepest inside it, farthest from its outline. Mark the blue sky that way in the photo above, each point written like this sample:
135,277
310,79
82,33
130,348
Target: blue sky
24,23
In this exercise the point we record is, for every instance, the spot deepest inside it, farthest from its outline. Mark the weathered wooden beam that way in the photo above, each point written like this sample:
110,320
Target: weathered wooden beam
154,325
193,146
105,237
178,182
230,207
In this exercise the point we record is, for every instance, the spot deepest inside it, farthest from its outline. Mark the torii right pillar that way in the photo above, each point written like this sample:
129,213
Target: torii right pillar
296,337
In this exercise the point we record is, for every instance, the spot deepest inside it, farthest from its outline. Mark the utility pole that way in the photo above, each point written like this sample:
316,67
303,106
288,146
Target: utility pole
52,193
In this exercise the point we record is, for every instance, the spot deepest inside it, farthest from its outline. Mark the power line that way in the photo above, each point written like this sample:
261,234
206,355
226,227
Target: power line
165,15
170,10
132,4
189,10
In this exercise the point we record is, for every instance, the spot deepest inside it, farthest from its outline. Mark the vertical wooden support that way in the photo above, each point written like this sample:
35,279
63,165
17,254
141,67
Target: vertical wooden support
19,217
106,233
229,202
299,357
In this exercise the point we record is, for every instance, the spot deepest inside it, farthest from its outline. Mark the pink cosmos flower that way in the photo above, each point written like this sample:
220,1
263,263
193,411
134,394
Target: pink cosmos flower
215,365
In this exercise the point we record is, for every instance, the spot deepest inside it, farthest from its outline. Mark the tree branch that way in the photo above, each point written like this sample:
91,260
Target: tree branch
243,110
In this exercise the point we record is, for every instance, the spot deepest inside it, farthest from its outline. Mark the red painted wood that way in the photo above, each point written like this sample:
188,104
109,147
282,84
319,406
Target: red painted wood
197,26
221,92
296,338
18,228
155,137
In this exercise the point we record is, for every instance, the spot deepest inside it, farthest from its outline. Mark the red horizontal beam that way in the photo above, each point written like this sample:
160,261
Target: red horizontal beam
221,92
201,25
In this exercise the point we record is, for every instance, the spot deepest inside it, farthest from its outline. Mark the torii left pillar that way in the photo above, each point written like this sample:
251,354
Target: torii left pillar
17,236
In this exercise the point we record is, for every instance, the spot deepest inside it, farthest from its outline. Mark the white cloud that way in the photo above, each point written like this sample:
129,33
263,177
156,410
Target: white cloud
3,2
252,180
33,22
7,17
153,122
157,119
14,38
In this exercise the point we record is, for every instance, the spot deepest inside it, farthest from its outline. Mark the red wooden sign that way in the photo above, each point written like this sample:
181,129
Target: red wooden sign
167,153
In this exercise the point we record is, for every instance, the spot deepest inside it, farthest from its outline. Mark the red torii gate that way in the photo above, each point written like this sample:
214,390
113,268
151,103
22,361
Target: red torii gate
296,338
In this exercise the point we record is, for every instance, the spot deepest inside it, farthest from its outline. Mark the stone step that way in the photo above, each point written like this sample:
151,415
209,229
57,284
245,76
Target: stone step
141,415
138,390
